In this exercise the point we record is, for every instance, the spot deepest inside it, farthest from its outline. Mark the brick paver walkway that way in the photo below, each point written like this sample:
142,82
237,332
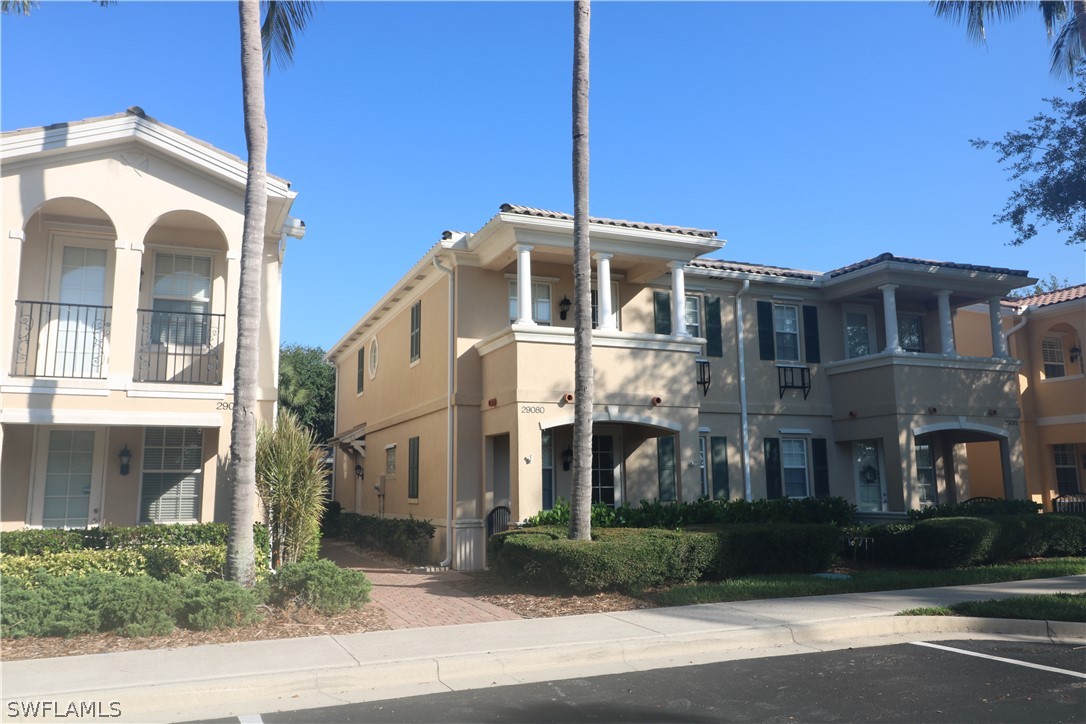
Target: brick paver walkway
415,599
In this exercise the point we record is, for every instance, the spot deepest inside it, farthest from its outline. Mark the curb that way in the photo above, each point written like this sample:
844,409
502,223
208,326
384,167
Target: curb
375,680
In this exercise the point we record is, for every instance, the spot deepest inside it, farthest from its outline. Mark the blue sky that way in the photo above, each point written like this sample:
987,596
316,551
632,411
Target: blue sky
809,135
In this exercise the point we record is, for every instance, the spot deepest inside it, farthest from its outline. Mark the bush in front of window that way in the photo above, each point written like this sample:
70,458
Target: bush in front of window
759,548
979,508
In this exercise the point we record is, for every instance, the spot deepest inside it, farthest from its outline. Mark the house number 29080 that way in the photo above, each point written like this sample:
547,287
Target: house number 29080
532,409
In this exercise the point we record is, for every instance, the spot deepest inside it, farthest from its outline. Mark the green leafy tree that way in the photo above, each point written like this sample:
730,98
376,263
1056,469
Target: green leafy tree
580,521
1064,19
290,480
1048,160
281,21
307,388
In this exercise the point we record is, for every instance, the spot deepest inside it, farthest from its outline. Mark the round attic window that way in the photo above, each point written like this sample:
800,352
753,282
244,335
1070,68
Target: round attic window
373,358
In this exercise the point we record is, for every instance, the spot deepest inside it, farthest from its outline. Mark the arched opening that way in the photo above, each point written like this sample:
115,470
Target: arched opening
957,461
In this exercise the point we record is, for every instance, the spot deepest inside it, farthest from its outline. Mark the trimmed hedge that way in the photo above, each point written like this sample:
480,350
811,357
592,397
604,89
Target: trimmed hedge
980,508
633,559
408,538
161,562
48,540
654,514
321,585
954,542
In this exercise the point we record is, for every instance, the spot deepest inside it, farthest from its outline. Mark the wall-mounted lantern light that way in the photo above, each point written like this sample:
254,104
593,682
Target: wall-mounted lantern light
125,456
358,471
1076,353
567,458
563,306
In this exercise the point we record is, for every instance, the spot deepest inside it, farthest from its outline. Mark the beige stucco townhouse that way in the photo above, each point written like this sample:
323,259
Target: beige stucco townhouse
119,263
713,379
1045,331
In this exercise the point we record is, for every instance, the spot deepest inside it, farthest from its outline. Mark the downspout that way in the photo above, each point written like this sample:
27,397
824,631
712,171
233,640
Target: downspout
1023,313
449,420
743,389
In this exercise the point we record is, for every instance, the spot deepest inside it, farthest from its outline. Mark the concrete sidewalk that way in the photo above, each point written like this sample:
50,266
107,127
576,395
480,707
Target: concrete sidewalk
260,676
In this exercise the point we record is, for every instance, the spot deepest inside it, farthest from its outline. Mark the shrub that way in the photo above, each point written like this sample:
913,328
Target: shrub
51,606
980,508
73,563
321,585
407,538
952,542
137,606
290,479
37,542
206,605
203,559
330,521
779,548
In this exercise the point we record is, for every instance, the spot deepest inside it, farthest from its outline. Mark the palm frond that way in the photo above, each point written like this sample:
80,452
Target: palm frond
976,13
1053,12
283,19
1067,49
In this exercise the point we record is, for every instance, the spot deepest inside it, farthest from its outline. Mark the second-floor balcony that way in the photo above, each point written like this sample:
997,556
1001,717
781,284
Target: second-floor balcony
54,339
179,347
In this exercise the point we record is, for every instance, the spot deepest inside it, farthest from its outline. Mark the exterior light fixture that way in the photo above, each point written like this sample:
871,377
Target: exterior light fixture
358,470
125,456
563,306
1076,352
567,458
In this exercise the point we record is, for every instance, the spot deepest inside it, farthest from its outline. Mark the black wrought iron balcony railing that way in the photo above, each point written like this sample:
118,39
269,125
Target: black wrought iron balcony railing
55,339
179,347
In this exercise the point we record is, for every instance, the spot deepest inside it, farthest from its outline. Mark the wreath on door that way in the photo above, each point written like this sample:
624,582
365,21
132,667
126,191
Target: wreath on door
869,474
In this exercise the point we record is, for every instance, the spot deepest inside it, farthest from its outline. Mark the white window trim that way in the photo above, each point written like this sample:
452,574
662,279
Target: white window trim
799,335
513,296
806,468
200,486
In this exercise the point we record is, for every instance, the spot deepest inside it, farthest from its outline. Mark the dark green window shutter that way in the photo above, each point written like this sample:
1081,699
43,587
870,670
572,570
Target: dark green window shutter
718,447
810,333
662,306
413,468
773,483
714,331
766,347
820,467
665,454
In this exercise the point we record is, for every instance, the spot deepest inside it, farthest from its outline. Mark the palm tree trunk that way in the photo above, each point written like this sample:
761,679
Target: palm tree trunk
240,564
580,520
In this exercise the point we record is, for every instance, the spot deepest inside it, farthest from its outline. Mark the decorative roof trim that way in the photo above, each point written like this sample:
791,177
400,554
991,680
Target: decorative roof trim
643,226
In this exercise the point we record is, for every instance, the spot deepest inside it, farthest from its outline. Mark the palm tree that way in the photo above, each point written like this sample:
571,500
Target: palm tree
580,519
1069,16
276,38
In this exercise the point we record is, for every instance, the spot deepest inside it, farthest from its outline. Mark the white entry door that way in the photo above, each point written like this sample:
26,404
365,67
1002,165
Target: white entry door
69,477
870,483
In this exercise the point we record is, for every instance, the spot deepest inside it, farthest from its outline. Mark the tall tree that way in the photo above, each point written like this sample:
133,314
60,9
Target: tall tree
1048,160
307,388
580,519
1064,18
282,20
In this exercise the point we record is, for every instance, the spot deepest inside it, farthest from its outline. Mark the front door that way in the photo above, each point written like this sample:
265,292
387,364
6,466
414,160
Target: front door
69,465
870,486
606,468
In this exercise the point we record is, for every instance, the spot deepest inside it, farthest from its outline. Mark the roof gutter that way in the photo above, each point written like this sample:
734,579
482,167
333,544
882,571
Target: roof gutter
449,418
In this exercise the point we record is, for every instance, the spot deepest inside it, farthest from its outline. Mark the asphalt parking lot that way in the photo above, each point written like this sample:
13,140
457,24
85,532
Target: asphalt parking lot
949,681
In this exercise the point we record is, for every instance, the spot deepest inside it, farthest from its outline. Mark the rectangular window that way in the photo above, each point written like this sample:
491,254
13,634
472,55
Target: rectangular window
172,473
416,331
859,326
361,381
925,475
1052,357
794,467
786,332
547,470
541,302
692,314
1066,469
413,468
390,460
614,307
910,333
181,299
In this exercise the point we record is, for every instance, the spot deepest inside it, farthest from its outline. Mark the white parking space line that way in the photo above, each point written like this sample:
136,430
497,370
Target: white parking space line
250,719
1054,670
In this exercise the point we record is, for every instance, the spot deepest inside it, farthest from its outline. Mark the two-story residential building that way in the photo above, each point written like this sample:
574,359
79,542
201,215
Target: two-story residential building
1045,331
119,267
712,379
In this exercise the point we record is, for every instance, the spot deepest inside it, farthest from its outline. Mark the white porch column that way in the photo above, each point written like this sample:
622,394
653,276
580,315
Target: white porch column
603,290
889,308
946,324
999,341
126,328
678,299
524,284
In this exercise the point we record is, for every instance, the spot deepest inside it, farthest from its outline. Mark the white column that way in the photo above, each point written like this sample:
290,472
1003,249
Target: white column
889,308
524,284
603,290
999,341
946,323
678,299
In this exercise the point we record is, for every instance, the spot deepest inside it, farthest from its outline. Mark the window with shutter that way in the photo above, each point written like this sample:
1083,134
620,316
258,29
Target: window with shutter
171,474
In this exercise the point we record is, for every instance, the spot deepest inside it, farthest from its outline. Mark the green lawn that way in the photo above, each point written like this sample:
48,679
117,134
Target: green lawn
1054,607
790,586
